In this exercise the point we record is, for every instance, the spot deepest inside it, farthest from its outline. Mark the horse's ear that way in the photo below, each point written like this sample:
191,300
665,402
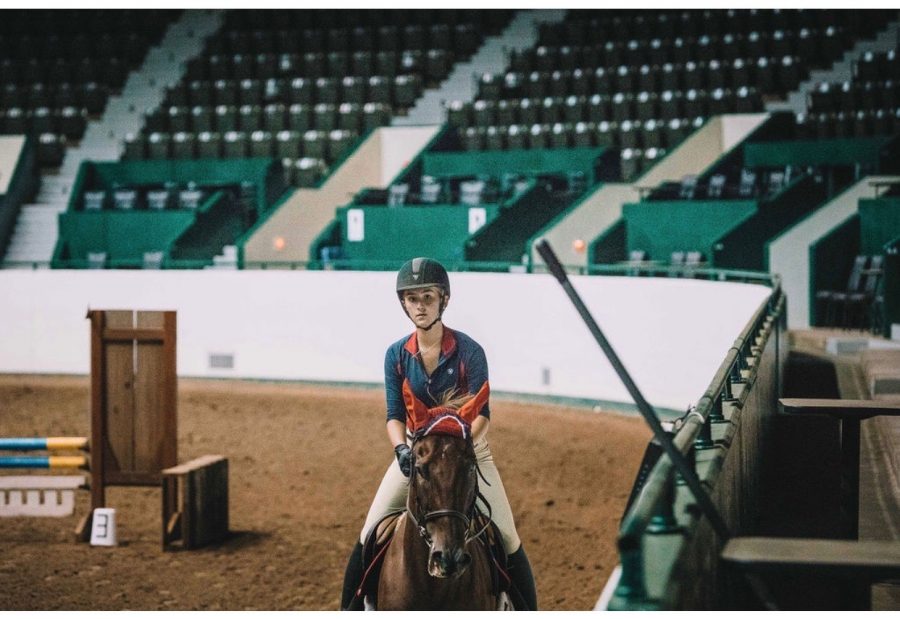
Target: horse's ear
415,407
471,409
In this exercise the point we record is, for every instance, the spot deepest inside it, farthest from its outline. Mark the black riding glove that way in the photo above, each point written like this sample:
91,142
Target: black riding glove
404,458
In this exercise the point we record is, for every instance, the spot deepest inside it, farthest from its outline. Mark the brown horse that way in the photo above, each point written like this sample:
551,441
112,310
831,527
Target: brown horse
434,561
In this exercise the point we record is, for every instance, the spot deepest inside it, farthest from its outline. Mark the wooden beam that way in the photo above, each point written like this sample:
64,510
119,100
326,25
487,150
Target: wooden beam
858,409
852,560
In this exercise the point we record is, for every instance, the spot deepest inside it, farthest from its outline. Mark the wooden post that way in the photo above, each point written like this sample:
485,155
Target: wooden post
133,401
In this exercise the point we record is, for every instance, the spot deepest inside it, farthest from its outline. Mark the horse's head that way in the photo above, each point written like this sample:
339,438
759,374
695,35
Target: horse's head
443,489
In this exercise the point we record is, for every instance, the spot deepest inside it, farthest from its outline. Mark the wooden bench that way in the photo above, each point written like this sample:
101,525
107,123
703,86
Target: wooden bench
852,565
195,503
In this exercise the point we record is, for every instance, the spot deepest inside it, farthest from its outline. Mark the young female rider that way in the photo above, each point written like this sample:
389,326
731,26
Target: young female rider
426,365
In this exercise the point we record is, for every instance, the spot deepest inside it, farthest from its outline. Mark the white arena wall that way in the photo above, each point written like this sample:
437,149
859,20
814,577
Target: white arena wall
671,334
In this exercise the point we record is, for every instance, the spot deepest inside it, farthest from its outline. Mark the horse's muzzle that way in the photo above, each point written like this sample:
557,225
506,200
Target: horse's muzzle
442,564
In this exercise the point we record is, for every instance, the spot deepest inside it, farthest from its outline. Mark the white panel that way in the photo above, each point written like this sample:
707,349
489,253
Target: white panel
477,218
671,334
356,225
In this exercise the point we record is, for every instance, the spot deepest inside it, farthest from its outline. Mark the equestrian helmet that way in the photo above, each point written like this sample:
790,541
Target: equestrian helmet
422,273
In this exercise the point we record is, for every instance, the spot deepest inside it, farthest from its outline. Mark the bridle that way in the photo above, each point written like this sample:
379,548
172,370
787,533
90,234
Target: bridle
467,518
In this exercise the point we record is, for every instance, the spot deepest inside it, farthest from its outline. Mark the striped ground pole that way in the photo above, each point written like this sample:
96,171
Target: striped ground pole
43,442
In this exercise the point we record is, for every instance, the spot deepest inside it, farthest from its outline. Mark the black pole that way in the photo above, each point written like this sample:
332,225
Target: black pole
678,459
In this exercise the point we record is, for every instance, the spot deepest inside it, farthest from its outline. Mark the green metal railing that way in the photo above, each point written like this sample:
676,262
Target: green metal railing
662,533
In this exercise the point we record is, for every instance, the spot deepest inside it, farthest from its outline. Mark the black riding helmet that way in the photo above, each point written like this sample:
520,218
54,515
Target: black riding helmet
423,273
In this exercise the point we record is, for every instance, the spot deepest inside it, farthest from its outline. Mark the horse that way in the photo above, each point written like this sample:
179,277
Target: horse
435,560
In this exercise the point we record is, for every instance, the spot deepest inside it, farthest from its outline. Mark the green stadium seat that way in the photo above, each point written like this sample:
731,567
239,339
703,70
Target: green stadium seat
201,118
378,90
529,111
517,137
125,199
339,143
363,38
250,92
324,117
505,112
250,118
629,134
630,161
300,91
38,96
337,64
134,147
261,144
375,115
560,135
94,200
411,61
350,117
159,199
241,68
386,61
430,191
362,63
314,64
483,113
494,138
200,93
96,259
326,90
183,146
190,198
538,136
51,150
274,117
235,145
314,144
158,145
550,111
406,89
398,194
177,119
72,122
440,36
536,85
473,138
11,96
646,105
288,145
622,106
582,135
225,118
337,39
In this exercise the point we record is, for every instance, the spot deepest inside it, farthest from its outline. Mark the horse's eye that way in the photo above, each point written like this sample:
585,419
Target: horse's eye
422,472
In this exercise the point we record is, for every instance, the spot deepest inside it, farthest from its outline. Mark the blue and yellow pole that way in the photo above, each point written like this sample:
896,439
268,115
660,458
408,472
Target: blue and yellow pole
43,462
52,443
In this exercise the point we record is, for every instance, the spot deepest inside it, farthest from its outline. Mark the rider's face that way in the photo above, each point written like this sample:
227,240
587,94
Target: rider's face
422,305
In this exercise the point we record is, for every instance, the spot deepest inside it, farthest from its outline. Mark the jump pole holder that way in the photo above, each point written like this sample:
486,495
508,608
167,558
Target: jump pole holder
133,402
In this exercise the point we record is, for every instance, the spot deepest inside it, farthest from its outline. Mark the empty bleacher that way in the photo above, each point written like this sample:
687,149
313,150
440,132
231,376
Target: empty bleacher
641,82
304,86
59,66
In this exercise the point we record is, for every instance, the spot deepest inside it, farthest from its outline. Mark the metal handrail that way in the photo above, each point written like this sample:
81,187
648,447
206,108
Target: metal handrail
647,504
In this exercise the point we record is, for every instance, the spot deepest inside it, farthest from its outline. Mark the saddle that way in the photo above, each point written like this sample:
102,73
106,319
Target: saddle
382,534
